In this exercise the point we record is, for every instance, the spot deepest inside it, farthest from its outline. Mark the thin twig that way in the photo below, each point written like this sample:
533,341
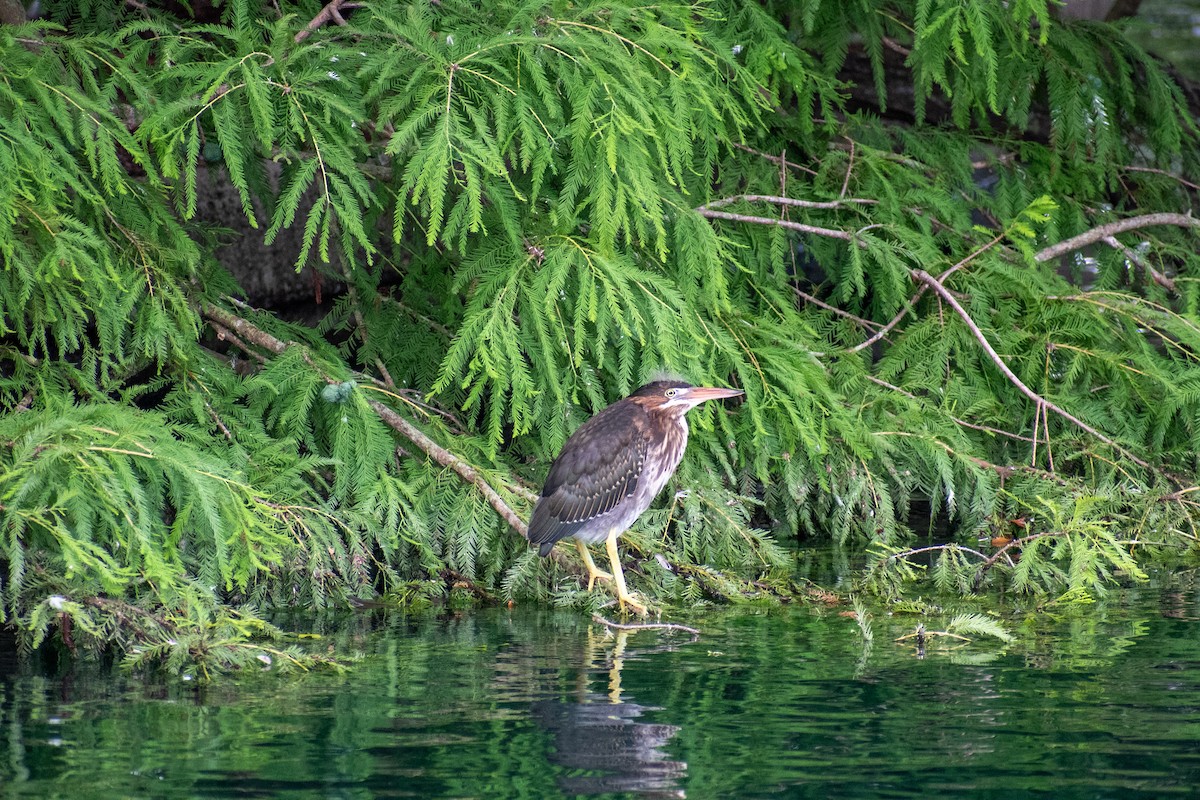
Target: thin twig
413,398
642,626
1121,299
457,580
783,177
923,633
782,223
956,420
1135,258
217,421
896,47
783,162
1041,402
227,335
786,201
849,169
974,254
1185,182
1003,553
866,323
915,550
1178,495
892,323
1099,233
1046,432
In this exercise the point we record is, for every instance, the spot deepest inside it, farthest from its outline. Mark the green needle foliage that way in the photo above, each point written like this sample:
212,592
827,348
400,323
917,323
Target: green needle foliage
533,207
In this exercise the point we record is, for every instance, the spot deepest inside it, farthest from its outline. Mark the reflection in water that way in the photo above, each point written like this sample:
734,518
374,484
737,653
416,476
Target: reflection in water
523,704
599,733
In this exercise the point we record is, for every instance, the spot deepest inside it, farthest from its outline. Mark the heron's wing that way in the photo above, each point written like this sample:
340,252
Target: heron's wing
598,467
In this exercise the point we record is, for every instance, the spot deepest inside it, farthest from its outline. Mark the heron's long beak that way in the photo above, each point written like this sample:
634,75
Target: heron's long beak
698,394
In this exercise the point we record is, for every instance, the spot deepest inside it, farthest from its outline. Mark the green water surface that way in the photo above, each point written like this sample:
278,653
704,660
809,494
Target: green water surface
521,703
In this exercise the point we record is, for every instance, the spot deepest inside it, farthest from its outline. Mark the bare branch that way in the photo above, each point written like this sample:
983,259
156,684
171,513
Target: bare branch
892,323
643,626
896,47
244,329
849,170
1177,496
1101,232
974,254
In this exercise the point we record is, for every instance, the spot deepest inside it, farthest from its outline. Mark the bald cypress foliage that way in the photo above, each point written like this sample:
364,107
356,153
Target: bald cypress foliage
987,302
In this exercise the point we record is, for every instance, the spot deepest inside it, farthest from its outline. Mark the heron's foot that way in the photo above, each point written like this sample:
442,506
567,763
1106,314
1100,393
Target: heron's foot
627,599
593,571
597,574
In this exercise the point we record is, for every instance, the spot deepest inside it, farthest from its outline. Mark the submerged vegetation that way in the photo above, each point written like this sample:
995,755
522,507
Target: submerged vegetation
945,248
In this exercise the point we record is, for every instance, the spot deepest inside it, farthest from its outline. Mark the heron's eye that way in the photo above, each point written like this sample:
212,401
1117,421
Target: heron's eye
671,392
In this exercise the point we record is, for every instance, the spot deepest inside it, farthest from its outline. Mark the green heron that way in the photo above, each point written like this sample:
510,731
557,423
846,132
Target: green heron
611,469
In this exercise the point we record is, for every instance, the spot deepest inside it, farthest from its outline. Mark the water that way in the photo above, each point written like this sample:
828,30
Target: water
522,703
1171,30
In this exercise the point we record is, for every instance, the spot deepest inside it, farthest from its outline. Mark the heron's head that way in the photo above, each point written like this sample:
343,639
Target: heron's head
678,396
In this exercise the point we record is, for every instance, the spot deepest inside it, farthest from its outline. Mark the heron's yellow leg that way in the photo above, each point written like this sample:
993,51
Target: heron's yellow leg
594,572
623,595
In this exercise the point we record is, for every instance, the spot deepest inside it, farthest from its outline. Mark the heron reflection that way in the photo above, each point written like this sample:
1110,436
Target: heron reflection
599,733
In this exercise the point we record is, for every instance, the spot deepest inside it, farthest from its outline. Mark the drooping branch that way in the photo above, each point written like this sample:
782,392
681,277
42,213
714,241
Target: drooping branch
447,459
255,335
1041,402
1101,232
